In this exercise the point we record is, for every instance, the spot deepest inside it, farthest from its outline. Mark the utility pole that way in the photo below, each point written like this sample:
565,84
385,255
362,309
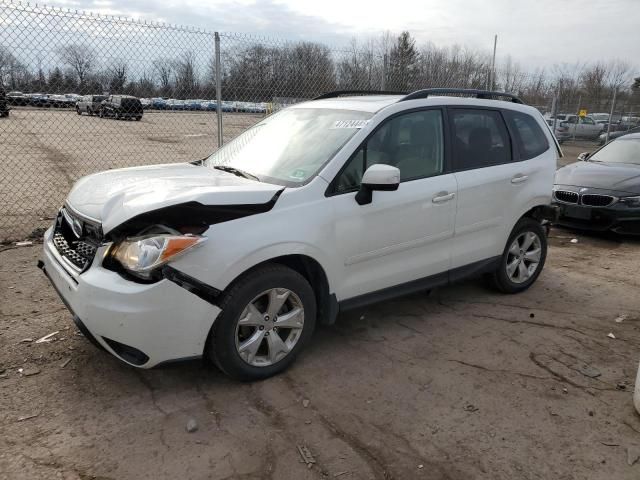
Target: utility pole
218,88
492,73
613,106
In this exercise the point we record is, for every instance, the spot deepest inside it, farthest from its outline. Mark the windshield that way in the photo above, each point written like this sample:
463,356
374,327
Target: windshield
619,151
291,146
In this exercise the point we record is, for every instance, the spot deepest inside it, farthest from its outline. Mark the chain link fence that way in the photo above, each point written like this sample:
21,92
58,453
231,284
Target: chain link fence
198,88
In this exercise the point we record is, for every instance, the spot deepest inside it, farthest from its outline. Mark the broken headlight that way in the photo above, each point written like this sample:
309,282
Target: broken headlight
142,255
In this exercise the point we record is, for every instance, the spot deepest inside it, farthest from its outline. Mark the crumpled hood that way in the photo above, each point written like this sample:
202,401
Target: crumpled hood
114,196
608,176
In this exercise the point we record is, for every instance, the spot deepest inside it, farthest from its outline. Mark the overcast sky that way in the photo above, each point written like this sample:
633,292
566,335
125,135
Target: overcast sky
535,33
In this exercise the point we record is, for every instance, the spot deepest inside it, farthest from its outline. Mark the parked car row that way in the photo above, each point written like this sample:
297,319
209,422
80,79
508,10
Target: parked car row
46,100
158,103
88,103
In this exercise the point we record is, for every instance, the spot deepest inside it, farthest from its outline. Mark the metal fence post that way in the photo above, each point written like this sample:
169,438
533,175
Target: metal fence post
385,61
554,112
575,125
218,89
613,106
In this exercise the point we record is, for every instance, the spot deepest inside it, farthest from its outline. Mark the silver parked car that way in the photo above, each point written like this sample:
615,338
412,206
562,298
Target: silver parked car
89,104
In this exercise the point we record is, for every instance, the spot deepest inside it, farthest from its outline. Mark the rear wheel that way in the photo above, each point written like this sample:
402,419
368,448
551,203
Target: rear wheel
78,111
523,257
267,318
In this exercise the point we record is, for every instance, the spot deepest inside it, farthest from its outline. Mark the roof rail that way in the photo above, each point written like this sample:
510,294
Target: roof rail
483,94
338,93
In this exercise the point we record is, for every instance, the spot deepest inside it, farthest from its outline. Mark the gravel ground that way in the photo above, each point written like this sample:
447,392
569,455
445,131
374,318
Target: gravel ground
461,383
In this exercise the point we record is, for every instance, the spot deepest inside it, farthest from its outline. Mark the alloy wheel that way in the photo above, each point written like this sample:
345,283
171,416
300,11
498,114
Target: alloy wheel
524,257
269,327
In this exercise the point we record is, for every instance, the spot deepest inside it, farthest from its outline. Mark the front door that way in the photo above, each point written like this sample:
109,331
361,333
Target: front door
403,235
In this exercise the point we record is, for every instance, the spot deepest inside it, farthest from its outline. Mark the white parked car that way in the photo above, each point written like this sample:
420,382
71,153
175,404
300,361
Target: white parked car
320,208
581,127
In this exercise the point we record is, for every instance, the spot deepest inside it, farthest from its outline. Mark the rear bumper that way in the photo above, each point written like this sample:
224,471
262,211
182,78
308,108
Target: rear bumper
141,324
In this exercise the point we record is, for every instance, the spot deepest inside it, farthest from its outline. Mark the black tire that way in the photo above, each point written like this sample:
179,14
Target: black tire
78,111
138,119
222,341
101,113
500,279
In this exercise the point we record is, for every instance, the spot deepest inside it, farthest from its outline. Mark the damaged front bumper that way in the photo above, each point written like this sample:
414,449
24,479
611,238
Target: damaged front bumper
141,324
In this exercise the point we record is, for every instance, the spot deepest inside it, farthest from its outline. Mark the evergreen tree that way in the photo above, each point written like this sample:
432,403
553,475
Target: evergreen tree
403,63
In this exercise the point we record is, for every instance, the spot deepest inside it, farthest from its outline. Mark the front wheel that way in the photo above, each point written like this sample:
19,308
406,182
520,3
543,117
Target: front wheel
523,257
78,111
267,318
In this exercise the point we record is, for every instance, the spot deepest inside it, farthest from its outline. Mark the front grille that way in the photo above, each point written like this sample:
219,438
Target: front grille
77,250
566,197
81,256
595,200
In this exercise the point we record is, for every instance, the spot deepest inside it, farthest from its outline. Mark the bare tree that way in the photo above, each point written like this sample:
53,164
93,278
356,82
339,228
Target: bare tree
117,74
81,59
187,83
164,71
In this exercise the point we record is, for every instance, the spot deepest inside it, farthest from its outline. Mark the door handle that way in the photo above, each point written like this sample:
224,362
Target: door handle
442,197
519,178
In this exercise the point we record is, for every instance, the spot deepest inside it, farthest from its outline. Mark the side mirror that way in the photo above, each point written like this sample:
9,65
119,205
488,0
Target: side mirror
377,177
583,156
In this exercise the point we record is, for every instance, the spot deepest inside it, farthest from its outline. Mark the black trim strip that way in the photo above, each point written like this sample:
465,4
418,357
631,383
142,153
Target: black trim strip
426,283
193,285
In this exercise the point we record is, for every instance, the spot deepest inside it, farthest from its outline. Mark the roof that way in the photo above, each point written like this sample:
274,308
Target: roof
364,103
375,103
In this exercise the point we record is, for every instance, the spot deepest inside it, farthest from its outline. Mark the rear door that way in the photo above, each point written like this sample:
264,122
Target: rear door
486,177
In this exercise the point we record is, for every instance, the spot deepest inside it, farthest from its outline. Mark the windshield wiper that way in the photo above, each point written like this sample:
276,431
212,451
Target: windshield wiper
236,171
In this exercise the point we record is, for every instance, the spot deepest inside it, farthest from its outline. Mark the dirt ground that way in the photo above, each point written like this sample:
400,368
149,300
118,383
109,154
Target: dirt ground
459,384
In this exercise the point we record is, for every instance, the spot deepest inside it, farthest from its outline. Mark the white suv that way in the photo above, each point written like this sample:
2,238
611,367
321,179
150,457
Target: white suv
322,207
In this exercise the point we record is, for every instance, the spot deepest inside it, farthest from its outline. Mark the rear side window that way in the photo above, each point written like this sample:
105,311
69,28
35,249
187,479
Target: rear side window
530,138
480,139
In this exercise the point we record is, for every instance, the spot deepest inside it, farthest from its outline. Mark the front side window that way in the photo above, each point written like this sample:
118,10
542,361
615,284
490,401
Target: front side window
587,121
480,139
412,142
291,146
530,138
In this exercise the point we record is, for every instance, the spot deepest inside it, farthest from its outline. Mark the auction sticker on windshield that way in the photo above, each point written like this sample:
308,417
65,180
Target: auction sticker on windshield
349,124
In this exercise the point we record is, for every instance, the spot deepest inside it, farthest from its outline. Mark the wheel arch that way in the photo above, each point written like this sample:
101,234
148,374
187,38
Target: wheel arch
313,272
